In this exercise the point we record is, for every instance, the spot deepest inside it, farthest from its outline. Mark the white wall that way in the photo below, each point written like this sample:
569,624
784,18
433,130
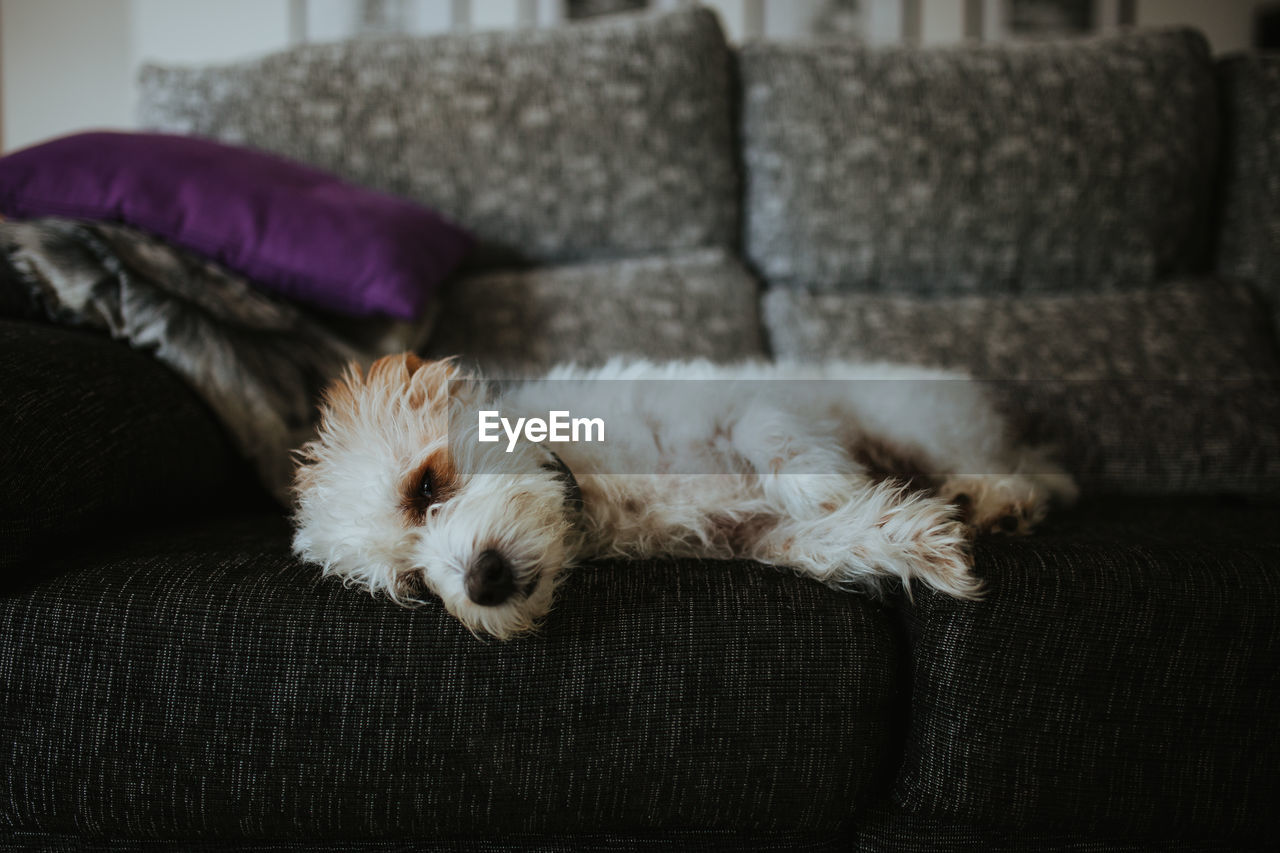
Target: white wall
64,64
67,65
201,31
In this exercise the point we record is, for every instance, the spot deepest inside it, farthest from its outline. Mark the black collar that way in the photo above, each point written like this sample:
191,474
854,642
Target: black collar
572,491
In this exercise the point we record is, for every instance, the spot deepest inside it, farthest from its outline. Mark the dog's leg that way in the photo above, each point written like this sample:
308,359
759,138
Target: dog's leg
1012,497
879,531
951,431
800,470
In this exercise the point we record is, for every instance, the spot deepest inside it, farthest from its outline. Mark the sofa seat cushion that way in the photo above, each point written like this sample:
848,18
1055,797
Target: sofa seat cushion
598,140
884,829
202,683
1120,675
687,305
1077,165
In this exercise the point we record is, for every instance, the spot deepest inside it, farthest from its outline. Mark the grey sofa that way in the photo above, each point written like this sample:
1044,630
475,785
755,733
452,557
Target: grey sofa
1093,227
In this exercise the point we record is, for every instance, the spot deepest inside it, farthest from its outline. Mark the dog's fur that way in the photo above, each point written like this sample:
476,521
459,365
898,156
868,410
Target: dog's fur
846,482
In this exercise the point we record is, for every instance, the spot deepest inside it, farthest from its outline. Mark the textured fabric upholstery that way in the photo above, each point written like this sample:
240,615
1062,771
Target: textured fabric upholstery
1249,235
591,141
887,830
201,683
94,433
673,842
998,168
1120,675
1168,390
696,305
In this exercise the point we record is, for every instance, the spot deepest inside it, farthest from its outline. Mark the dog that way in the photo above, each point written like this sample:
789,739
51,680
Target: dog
851,474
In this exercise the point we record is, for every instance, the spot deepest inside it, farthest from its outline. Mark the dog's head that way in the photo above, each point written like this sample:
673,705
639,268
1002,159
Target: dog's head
396,495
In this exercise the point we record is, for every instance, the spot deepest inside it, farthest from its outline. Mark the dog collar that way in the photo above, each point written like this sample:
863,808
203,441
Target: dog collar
572,491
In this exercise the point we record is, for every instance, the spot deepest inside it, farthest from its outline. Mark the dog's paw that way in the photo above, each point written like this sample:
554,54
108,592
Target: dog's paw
926,543
1007,504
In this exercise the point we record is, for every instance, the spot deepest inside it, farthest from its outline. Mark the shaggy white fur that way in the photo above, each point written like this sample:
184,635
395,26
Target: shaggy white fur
885,473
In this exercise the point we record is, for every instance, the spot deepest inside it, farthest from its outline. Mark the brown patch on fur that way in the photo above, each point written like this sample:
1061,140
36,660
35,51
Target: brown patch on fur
390,364
828,506
884,460
425,382
739,535
410,586
444,484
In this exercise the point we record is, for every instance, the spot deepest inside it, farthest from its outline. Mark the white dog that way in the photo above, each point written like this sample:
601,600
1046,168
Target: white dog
846,473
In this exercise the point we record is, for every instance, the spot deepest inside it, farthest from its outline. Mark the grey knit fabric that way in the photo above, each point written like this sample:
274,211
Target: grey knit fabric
999,168
1249,235
1168,390
1119,675
1193,329
695,305
597,140
199,683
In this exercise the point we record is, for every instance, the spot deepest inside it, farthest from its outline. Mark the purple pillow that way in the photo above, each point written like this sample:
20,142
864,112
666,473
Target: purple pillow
297,231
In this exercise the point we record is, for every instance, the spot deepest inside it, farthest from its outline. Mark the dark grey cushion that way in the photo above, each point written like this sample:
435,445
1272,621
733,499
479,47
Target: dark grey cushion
885,829
694,305
1168,390
95,435
1119,675
202,684
693,841
1249,235
1081,165
591,141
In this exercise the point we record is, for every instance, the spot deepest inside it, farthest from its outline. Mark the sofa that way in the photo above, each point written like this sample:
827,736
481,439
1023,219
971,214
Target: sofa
1090,227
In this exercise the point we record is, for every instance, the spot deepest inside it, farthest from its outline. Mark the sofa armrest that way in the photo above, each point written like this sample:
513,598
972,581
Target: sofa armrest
95,434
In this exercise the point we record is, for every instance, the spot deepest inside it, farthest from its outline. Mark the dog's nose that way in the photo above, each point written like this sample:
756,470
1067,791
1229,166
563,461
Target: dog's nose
490,580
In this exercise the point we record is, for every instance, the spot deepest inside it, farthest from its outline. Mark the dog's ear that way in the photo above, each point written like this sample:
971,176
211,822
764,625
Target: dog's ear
391,368
402,379
434,383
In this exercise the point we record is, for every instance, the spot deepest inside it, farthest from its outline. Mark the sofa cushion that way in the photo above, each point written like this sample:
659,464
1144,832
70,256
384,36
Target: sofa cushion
598,140
693,305
1076,165
884,829
1168,390
1249,232
687,841
213,687
96,436
1120,674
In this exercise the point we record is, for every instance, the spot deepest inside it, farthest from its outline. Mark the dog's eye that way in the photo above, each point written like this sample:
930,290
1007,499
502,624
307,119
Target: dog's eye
426,487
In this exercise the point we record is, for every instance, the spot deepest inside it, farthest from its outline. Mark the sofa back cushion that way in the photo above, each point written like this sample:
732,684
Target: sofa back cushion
592,141
1248,245
1169,390
690,305
994,168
